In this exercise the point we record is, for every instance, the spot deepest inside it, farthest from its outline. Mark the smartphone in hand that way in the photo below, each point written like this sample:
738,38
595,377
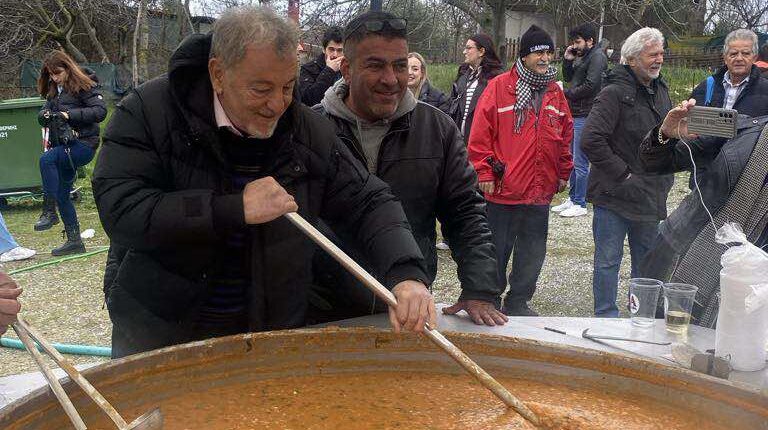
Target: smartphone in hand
711,121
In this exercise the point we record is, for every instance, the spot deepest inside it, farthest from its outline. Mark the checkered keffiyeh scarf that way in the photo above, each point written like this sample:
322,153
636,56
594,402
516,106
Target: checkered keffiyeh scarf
528,81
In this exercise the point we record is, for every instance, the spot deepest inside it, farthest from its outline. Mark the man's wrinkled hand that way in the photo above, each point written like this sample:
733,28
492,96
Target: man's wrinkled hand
486,187
9,303
264,200
481,312
561,184
415,307
675,124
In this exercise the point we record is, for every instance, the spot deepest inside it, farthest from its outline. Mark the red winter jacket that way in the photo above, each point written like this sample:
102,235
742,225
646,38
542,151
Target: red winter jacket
536,158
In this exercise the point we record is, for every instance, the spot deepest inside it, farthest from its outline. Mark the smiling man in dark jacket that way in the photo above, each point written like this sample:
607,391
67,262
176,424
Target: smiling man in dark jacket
627,203
419,152
197,168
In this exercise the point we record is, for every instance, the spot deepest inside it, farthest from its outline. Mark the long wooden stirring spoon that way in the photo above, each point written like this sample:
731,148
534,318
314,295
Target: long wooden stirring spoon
436,337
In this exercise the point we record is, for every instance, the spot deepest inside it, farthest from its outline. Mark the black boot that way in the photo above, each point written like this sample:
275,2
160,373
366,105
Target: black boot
48,218
73,245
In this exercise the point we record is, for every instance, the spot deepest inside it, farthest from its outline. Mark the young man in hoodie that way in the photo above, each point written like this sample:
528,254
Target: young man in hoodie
520,146
420,153
627,201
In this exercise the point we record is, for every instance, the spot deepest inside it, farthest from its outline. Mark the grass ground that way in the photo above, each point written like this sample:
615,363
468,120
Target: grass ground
65,301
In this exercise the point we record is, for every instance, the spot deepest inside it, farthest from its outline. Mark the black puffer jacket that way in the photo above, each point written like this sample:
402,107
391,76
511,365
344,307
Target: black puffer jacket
433,96
752,101
161,186
423,159
586,79
86,110
457,101
623,113
314,79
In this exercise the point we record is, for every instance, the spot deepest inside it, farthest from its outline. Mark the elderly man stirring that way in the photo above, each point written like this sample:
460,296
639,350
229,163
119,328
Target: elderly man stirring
197,168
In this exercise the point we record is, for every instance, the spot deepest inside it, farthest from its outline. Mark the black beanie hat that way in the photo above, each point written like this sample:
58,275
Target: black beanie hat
535,39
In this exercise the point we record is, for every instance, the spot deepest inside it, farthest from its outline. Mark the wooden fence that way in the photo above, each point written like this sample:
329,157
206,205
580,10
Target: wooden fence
690,58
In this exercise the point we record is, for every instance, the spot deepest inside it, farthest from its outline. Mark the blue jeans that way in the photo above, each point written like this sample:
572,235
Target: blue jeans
59,176
609,230
7,242
580,172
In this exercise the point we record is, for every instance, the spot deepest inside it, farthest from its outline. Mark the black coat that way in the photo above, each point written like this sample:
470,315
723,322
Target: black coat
424,160
162,189
623,113
433,96
314,79
586,81
86,110
752,101
726,158
458,99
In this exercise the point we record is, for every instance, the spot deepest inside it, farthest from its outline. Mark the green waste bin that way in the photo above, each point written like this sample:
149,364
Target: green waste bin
20,146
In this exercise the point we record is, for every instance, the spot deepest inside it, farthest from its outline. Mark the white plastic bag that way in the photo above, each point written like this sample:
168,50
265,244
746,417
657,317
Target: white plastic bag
742,320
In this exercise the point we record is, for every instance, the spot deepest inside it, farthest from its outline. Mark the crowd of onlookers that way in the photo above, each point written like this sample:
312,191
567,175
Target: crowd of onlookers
528,140
198,167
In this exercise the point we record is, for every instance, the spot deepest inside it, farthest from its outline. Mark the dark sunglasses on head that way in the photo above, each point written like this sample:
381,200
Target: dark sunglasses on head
377,25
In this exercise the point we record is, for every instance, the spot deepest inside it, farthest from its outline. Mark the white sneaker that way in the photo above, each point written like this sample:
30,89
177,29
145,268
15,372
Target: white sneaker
574,211
442,246
18,253
567,204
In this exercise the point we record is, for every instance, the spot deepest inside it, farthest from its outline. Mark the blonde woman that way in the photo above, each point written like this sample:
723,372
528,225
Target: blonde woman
418,82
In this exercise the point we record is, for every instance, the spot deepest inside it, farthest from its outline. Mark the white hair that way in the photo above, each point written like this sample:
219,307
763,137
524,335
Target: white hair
638,40
241,26
740,34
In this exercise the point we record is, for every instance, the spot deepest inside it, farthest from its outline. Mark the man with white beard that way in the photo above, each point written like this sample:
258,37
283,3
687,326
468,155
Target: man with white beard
626,201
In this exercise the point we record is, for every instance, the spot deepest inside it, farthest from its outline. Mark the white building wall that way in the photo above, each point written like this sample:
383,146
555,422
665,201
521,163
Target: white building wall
518,22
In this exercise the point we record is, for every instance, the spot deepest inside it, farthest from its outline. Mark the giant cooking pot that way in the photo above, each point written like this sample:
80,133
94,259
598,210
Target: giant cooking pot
135,384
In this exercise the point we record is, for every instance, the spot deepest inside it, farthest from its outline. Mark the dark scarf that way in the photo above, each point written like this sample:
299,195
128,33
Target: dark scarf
528,82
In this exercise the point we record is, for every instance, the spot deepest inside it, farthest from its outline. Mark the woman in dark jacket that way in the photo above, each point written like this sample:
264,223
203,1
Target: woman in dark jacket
71,114
418,83
481,64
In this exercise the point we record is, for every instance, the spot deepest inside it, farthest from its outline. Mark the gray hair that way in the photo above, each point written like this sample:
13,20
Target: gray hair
740,34
638,40
242,26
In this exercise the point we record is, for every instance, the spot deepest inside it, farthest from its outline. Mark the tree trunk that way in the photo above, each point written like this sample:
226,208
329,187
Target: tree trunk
499,24
185,27
137,40
72,50
94,39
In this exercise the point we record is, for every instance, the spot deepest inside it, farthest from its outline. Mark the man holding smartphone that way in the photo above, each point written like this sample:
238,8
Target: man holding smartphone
583,67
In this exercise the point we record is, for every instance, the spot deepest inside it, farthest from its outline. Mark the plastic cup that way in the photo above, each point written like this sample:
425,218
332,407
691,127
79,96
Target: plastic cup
643,297
678,303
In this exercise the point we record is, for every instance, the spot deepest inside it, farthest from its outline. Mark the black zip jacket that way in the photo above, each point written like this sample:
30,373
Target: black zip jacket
86,110
314,79
586,81
752,101
458,100
162,189
424,160
623,113
434,97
